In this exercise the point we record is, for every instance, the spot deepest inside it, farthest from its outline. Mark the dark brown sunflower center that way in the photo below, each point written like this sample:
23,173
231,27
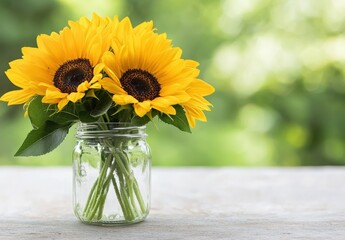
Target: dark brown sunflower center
141,84
72,73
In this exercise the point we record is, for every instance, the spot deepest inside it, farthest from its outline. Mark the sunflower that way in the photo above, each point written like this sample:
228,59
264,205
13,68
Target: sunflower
63,66
145,71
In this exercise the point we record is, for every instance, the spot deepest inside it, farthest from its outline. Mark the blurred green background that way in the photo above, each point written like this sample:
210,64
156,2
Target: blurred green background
278,68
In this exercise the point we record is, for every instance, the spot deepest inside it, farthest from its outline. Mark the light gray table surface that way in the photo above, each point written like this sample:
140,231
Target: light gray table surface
187,203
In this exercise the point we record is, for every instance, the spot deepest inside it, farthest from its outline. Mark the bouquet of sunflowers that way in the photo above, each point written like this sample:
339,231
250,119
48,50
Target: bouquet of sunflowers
103,70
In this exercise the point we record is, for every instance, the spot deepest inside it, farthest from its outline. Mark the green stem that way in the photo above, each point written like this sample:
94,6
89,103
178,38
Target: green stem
102,202
116,188
124,166
135,183
103,194
127,191
132,198
124,197
95,191
87,205
129,177
139,197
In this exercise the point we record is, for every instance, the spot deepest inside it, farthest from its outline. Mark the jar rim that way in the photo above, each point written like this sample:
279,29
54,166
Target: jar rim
106,129
115,124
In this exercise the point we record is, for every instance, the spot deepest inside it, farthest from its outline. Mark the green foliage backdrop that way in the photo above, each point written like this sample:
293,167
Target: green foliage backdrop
278,68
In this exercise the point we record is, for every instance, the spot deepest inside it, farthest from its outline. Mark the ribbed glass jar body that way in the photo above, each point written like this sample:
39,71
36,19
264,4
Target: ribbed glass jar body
112,168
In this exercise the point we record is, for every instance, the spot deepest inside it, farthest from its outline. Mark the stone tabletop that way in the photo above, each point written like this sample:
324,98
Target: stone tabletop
187,203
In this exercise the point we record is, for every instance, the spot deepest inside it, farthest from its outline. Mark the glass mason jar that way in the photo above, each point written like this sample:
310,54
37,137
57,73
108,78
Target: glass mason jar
112,168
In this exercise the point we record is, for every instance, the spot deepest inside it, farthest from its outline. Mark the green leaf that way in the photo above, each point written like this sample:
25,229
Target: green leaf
40,112
44,139
68,115
139,121
37,112
63,117
85,117
103,104
179,120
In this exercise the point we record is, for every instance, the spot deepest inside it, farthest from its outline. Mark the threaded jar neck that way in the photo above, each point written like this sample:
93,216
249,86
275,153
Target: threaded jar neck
111,129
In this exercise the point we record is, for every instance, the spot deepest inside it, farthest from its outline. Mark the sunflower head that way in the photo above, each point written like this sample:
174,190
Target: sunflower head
146,72
63,65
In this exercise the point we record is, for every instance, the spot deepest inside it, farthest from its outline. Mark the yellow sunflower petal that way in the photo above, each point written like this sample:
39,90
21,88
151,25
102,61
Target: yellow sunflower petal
55,94
17,96
124,99
109,85
95,86
167,110
17,78
141,108
191,121
75,96
99,67
62,103
200,88
83,87
197,114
